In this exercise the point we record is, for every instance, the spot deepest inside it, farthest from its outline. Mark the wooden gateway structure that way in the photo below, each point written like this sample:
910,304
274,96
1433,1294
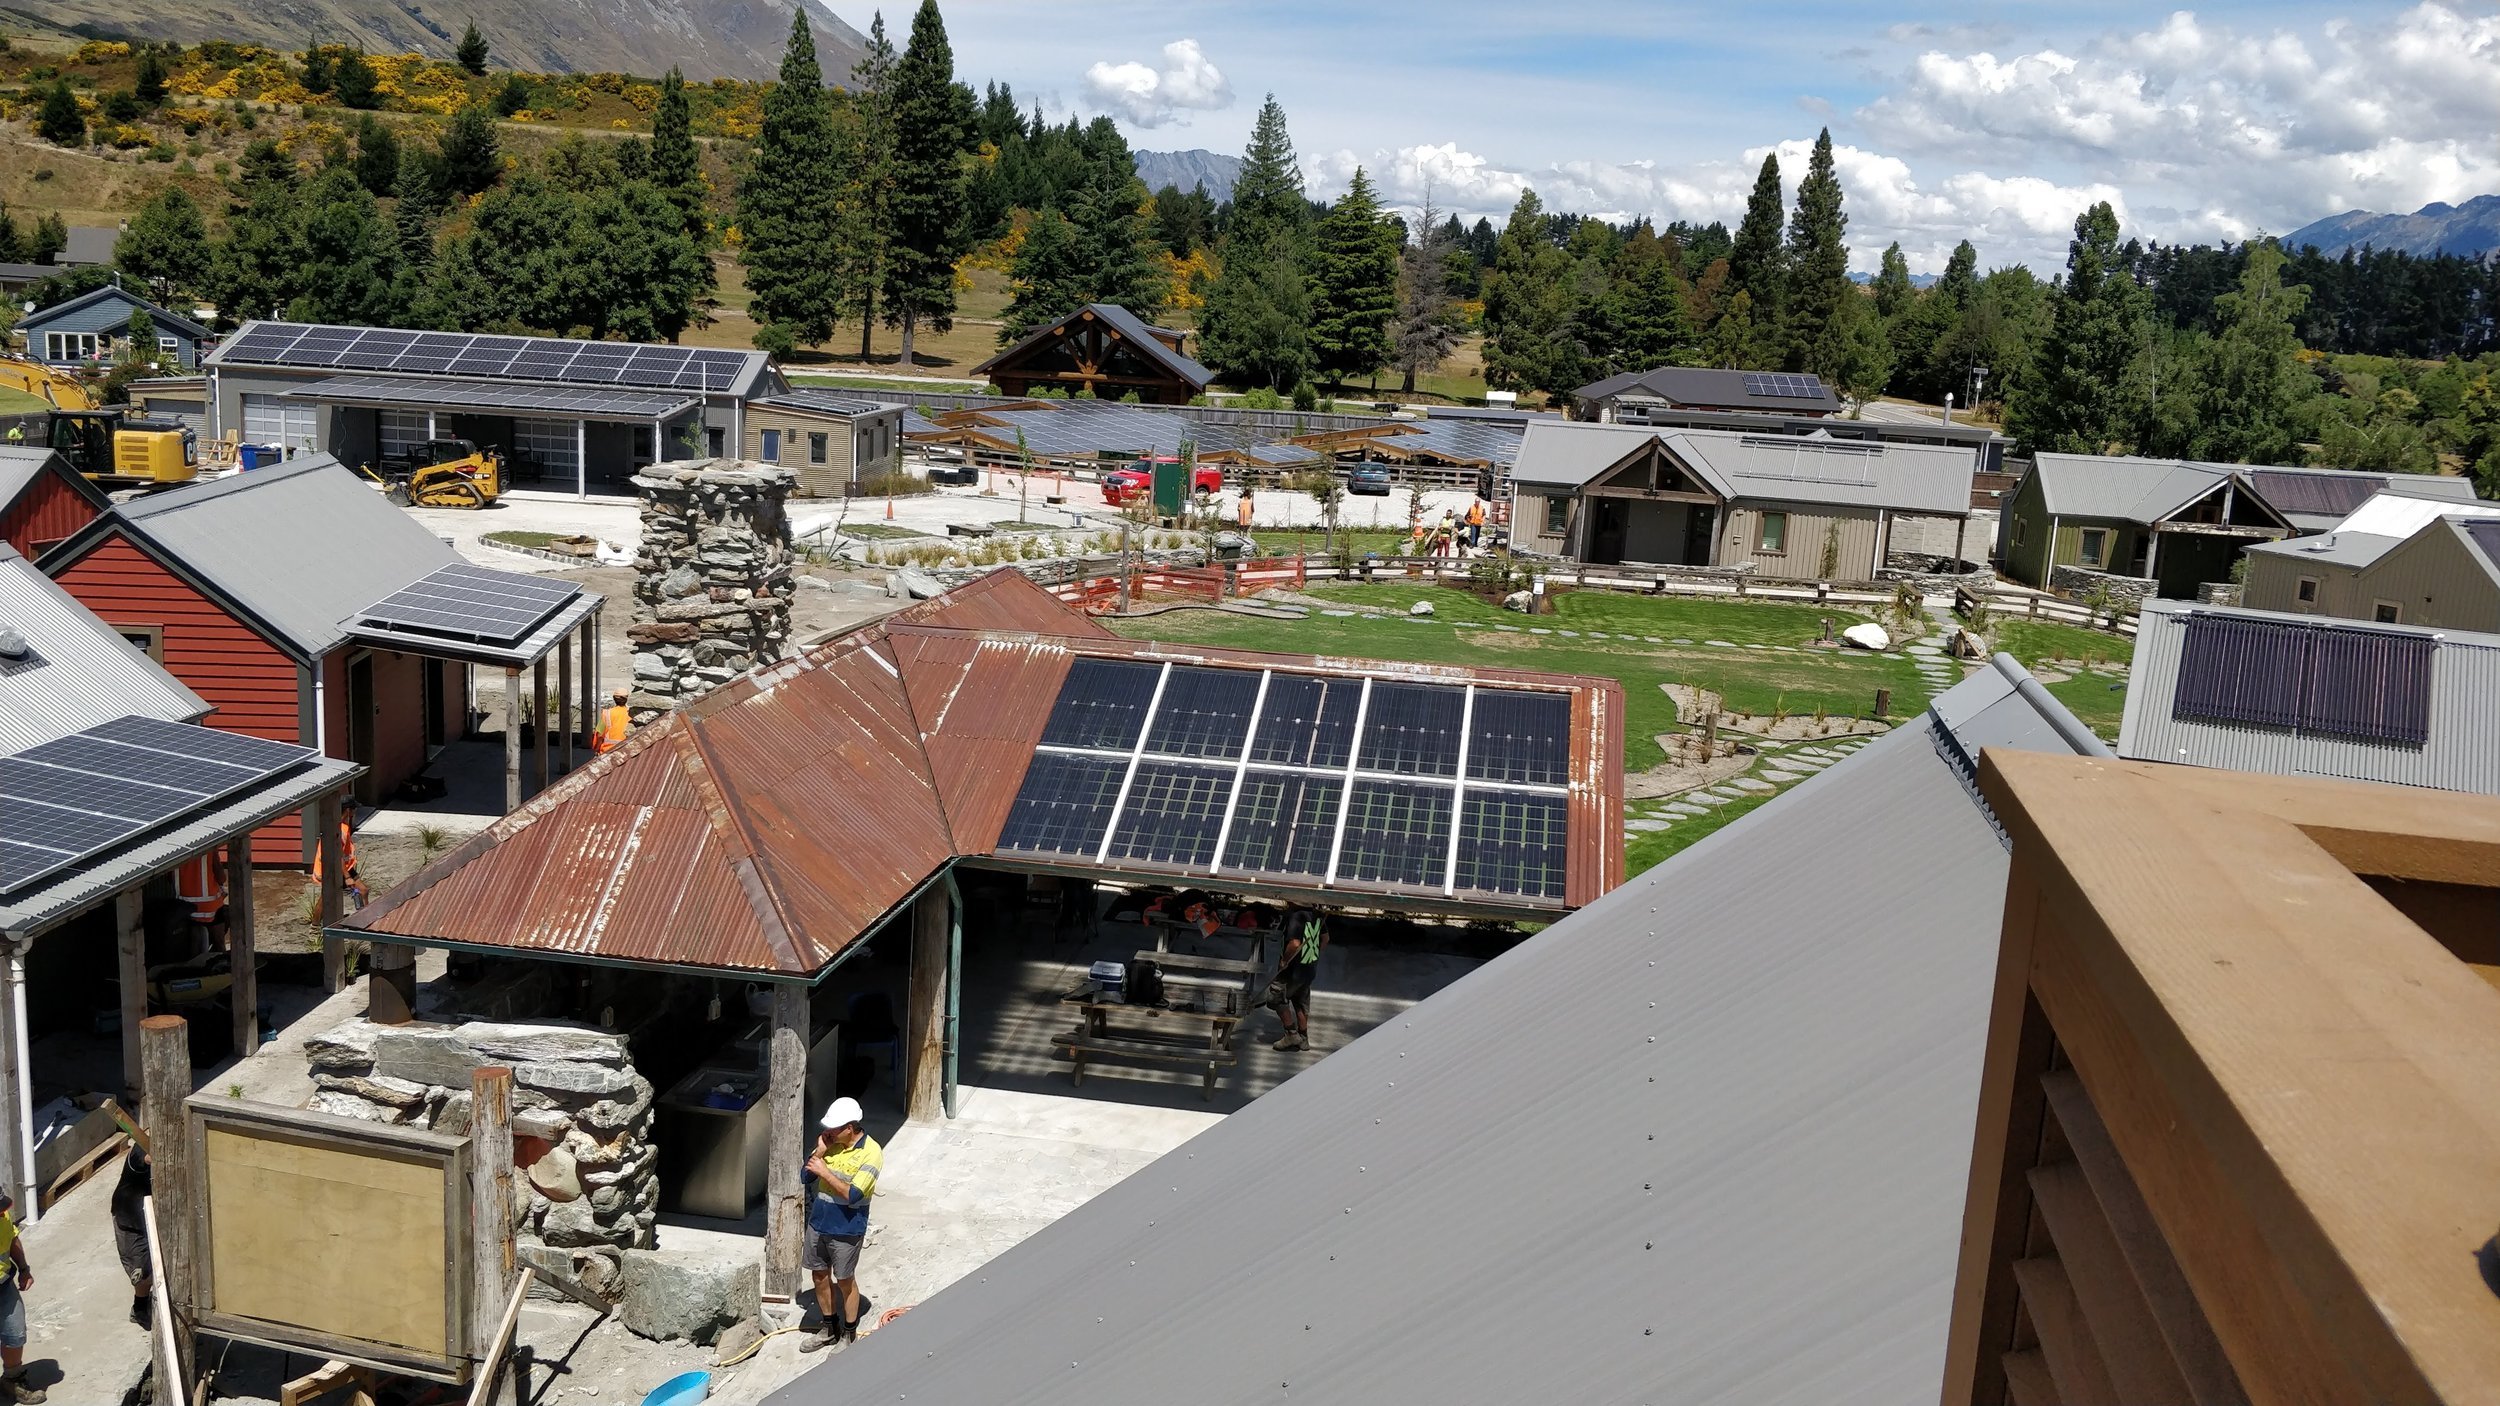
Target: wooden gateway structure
1103,348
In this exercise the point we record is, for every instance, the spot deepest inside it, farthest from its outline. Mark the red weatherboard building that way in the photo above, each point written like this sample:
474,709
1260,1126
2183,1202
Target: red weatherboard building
273,595
43,500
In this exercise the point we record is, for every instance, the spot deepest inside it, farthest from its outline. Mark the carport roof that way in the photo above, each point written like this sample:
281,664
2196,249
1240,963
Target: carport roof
568,402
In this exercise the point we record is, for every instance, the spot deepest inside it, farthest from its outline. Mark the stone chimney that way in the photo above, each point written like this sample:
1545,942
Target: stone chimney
712,598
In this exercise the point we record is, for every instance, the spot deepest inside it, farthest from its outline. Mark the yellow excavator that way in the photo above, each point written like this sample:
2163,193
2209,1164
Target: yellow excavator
108,444
442,473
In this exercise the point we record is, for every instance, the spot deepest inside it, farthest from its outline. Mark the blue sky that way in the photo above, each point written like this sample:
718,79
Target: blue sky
1992,122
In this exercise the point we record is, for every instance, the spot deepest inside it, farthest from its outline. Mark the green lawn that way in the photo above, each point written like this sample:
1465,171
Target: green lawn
2097,697
875,531
524,539
1644,850
1752,680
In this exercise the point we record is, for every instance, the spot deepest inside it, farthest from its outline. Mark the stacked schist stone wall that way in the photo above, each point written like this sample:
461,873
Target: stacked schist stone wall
581,1121
712,598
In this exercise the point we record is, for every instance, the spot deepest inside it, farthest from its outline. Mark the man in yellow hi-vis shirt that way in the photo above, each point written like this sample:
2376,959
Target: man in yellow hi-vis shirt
16,1277
841,1175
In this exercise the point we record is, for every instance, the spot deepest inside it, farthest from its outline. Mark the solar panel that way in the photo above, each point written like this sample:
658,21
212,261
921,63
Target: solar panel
75,796
1307,721
1396,832
1519,737
1102,704
464,354
1511,843
1064,804
472,603
1283,823
1782,385
1204,713
1173,815
1413,728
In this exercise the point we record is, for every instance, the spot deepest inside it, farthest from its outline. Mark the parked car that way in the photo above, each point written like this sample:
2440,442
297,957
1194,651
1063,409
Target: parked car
1368,480
1121,486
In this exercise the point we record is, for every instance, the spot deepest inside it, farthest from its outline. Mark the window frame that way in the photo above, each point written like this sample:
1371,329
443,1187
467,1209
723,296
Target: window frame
2386,612
768,445
147,639
2305,591
1762,537
1557,515
2022,532
819,446
2092,547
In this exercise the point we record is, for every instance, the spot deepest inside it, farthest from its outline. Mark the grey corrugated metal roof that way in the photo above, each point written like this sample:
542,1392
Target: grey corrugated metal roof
828,402
1928,479
1131,327
89,244
66,895
2338,548
2122,487
1707,1140
2462,753
1704,387
75,313
90,674
302,546
1568,453
572,402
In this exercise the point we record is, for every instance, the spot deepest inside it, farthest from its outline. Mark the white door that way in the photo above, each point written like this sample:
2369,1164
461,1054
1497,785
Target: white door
276,419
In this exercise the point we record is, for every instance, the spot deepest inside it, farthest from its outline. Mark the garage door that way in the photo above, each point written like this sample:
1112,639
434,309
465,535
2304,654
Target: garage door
275,419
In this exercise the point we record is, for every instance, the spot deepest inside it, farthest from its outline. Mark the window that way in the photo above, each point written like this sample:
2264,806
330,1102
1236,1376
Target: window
1557,516
2095,546
771,453
550,446
2387,612
278,420
2307,592
400,431
170,346
2019,534
712,440
147,639
1773,534
816,448
70,346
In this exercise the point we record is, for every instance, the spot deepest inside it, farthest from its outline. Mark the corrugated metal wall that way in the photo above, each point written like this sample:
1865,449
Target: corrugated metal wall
2463,753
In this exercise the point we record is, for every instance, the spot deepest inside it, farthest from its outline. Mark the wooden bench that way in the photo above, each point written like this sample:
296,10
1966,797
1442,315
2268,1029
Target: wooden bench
1082,1047
1097,1018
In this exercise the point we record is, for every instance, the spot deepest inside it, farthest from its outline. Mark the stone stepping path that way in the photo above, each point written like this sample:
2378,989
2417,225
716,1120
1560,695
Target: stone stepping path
1718,644
1539,630
1754,784
1339,614
1645,826
1784,777
1676,641
1681,808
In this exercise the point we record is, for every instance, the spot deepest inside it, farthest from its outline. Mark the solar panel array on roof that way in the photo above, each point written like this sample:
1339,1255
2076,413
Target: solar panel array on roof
2485,533
472,603
616,403
1784,386
2367,685
72,797
466,354
1364,783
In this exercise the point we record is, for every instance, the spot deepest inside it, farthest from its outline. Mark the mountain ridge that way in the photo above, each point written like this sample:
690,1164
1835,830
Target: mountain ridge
2471,229
1186,169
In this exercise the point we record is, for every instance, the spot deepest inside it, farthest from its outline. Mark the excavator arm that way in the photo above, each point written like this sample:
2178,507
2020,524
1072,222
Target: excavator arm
62,390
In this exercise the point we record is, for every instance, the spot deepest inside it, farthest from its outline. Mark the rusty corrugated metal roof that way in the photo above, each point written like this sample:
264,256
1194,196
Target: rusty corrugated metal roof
775,821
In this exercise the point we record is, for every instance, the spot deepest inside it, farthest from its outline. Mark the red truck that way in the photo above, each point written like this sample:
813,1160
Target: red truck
1121,486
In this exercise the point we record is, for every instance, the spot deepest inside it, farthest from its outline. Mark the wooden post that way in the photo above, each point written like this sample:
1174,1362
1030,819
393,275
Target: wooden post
391,984
242,957
785,1206
538,718
130,937
511,740
16,1086
925,1036
564,695
333,892
1883,703
490,1205
590,679
165,1081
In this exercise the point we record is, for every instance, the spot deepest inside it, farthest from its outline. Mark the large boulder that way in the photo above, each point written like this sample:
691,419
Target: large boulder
423,1056
345,1048
689,1295
580,1081
534,1044
1867,636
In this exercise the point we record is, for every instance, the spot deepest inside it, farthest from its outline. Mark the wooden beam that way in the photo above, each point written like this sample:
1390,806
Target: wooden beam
925,1037
490,1206
564,695
333,901
511,740
242,947
2027,1379
538,717
2074,1359
165,1052
2139,1360
488,1385
130,945
792,1130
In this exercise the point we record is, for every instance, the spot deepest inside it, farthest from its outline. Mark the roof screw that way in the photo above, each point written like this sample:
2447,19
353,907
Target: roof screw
1645,1332
1649,1245
1644,1186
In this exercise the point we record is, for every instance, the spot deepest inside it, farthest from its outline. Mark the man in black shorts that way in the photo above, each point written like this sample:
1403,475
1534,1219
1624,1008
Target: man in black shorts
1306,935
130,1230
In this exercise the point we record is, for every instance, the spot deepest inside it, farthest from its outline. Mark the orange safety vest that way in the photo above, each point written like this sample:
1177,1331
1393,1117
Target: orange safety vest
347,857
613,726
1242,510
197,882
1475,513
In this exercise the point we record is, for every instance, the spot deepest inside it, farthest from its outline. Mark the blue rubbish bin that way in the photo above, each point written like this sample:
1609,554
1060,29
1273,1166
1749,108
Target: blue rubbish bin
254,456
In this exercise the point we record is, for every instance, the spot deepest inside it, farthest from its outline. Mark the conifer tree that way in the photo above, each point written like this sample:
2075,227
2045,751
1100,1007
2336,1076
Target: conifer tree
1048,278
1527,304
1814,325
675,170
12,241
51,236
931,121
2073,401
377,156
787,203
1267,198
864,152
60,122
471,54
1107,213
1354,285
1650,322
1892,287
345,255
1255,327
1754,262
355,82
148,85
2250,379
1426,329
469,162
1735,340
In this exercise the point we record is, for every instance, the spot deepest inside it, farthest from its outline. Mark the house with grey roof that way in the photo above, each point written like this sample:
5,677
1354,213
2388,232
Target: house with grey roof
2300,695
2396,559
834,439
566,413
95,326
1634,395
1106,349
2175,522
1708,1139
1809,507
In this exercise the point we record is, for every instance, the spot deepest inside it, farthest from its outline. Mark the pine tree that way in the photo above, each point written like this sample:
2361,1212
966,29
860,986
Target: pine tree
355,82
149,83
1651,324
1426,329
789,201
1527,304
864,154
471,54
1108,216
1354,285
1755,262
1814,326
1735,340
2251,379
1255,328
166,245
418,206
675,169
316,69
346,255
1892,288
469,162
1048,278
60,122
1267,201
377,156
2073,399
12,240
931,120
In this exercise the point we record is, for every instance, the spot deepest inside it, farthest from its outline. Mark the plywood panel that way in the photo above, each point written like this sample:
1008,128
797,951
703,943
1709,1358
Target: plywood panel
345,1243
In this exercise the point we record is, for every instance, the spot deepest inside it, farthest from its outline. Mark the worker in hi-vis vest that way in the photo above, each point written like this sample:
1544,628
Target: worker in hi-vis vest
1243,510
613,725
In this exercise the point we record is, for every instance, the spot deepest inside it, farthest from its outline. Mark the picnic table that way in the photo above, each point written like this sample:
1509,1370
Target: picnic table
1200,1039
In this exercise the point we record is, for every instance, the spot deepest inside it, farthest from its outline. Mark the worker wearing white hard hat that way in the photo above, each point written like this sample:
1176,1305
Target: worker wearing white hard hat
842,1171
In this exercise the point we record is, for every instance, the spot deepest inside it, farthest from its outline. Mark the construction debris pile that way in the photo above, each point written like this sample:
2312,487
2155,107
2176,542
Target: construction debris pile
581,1122
712,598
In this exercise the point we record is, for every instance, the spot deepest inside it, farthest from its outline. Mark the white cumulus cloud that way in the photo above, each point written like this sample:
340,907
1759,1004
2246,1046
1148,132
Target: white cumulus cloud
1154,95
